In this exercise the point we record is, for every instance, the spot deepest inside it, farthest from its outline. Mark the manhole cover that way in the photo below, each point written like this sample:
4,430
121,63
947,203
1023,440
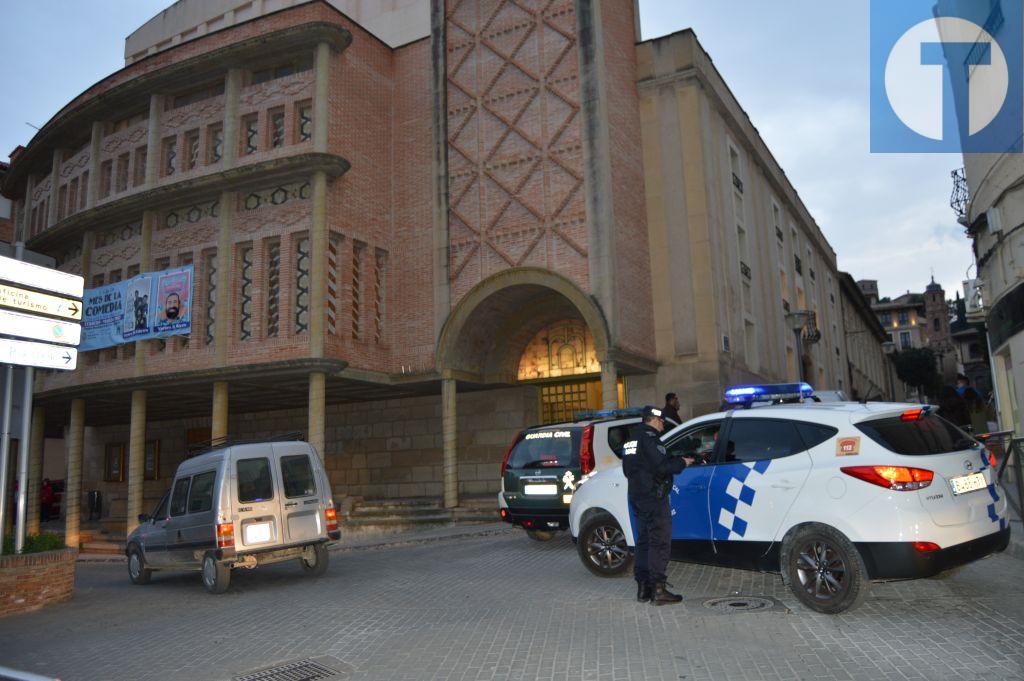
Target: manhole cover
738,604
309,669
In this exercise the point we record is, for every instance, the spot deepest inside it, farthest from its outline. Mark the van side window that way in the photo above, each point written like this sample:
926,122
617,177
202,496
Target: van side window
254,481
618,436
298,476
200,498
179,497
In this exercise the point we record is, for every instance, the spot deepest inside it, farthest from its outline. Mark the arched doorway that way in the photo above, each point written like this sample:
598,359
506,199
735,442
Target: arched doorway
524,325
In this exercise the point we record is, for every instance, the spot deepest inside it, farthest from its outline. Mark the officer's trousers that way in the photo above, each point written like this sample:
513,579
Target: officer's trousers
653,518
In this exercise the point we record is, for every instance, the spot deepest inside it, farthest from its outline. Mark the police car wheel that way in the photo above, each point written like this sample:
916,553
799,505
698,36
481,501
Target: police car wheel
823,569
540,535
602,547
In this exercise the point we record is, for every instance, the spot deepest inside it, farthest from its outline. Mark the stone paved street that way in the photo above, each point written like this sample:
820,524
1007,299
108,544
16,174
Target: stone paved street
504,607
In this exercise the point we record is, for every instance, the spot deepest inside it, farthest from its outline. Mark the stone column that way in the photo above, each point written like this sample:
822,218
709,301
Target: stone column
321,96
136,458
156,105
222,315
145,265
51,208
219,429
318,267
232,92
35,470
73,479
449,430
92,190
609,385
317,411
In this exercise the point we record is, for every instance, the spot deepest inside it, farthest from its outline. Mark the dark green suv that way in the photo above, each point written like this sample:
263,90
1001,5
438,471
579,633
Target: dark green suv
545,464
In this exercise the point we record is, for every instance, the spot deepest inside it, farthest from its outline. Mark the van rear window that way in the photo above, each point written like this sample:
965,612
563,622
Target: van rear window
929,435
254,481
297,475
554,448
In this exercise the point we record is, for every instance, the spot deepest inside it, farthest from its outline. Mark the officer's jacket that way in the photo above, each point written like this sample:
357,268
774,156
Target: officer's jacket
647,466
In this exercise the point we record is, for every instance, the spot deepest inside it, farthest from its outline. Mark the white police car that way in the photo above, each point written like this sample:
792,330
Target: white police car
831,495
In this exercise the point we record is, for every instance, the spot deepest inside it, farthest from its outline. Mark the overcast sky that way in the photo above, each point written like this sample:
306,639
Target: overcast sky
798,67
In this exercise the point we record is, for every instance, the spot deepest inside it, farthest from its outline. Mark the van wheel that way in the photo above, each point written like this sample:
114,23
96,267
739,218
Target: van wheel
137,570
216,575
321,559
823,569
540,535
602,546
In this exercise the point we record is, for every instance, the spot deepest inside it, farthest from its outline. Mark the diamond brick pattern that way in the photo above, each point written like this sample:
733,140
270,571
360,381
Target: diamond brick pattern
514,140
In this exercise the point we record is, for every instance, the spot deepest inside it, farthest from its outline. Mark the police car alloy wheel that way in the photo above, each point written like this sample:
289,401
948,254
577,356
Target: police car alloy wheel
823,569
602,547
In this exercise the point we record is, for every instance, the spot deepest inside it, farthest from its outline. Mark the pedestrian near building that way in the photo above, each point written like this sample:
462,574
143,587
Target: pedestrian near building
953,407
671,409
649,469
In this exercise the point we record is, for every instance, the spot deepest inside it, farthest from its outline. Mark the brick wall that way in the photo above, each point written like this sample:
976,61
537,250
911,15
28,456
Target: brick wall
30,581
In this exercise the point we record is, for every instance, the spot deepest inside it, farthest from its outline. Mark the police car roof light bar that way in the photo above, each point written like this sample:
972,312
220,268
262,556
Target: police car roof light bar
744,394
593,415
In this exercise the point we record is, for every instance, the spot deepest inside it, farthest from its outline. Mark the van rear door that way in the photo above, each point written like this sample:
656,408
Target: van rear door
255,482
301,507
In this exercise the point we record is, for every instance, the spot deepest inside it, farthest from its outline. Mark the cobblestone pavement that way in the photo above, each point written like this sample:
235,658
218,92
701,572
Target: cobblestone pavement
502,607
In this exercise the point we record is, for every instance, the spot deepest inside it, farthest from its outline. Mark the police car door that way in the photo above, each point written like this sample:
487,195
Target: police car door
762,465
691,524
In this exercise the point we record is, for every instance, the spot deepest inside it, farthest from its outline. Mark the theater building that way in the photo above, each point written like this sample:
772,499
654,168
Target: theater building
416,227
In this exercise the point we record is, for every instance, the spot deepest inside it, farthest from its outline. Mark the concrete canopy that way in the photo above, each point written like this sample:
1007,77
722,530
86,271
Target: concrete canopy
485,335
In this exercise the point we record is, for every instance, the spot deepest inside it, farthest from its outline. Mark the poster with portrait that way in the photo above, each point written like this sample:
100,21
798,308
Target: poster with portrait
145,307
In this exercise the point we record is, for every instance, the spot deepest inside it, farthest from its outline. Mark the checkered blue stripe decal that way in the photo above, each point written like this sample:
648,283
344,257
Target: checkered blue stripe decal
991,508
731,508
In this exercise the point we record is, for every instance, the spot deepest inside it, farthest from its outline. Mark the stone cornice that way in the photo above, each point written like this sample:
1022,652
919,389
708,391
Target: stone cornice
168,195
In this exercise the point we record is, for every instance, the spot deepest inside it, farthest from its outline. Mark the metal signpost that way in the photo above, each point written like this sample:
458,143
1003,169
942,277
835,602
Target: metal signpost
40,326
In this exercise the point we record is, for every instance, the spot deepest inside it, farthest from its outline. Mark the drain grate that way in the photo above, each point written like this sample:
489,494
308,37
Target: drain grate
309,669
739,604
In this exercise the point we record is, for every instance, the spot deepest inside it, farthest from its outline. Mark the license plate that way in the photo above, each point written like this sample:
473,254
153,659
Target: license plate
968,483
540,490
257,533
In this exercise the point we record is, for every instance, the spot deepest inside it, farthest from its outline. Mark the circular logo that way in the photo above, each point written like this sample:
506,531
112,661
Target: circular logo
915,90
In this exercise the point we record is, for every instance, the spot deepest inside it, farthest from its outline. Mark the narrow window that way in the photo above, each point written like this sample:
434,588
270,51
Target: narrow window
357,289
83,190
305,116
139,174
192,149
302,285
106,178
250,128
245,293
170,155
277,128
215,143
333,276
211,295
380,262
73,196
273,288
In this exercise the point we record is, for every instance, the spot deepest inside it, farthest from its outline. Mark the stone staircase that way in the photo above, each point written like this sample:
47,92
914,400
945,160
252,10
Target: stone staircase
96,543
385,516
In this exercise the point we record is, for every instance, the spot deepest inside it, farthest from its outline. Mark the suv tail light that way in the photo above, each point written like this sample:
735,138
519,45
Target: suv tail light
331,516
587,451
915,414
225,535
508,453
899,478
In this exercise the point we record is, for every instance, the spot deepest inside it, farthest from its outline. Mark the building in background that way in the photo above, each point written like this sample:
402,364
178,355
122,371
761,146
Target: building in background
6,210
416,227
970,340
745,284
869,365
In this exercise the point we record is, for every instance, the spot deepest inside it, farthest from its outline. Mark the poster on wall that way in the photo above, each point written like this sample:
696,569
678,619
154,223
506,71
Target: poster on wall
147,306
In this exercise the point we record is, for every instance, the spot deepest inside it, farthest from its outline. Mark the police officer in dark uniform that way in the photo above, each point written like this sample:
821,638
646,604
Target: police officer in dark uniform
649,470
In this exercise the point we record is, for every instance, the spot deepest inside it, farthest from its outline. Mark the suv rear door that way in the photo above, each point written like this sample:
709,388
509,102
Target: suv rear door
544,464
301,516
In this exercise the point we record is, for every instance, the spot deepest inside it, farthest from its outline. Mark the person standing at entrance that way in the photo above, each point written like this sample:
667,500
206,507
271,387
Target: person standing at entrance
649,469
671,410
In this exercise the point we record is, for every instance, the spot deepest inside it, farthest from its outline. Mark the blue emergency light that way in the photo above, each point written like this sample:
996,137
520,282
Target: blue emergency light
744,394
628,412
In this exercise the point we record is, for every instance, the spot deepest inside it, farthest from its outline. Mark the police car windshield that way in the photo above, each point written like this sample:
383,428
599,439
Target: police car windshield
931,434
554,448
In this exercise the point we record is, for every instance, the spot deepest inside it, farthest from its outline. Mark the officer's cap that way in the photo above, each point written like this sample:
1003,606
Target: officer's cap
650,412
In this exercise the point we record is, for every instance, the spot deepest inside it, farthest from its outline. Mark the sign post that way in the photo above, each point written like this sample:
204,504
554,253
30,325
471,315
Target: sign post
42,305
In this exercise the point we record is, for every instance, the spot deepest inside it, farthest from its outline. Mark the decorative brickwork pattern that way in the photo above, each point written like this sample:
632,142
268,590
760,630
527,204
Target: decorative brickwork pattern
273,288
30,581
514,140
245,294
302,265
210,266
379,263
333,253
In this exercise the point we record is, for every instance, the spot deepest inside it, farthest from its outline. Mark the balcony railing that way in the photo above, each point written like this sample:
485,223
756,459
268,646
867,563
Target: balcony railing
961,194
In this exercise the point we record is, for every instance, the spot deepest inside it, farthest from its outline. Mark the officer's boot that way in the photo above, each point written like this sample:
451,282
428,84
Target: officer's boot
644,591
663,596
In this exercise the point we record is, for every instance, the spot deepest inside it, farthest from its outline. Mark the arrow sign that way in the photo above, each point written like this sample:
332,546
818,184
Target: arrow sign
43,303
44,278
23,353
39,328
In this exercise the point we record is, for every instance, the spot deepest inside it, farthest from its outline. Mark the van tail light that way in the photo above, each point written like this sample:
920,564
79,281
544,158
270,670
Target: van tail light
925,546
508,453
331,516
587,451
225,535
899,478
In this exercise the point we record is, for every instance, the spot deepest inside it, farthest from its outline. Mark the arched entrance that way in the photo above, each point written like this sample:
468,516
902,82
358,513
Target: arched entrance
524,325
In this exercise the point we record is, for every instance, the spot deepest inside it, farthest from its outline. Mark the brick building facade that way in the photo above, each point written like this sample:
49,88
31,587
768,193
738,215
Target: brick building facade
416,226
